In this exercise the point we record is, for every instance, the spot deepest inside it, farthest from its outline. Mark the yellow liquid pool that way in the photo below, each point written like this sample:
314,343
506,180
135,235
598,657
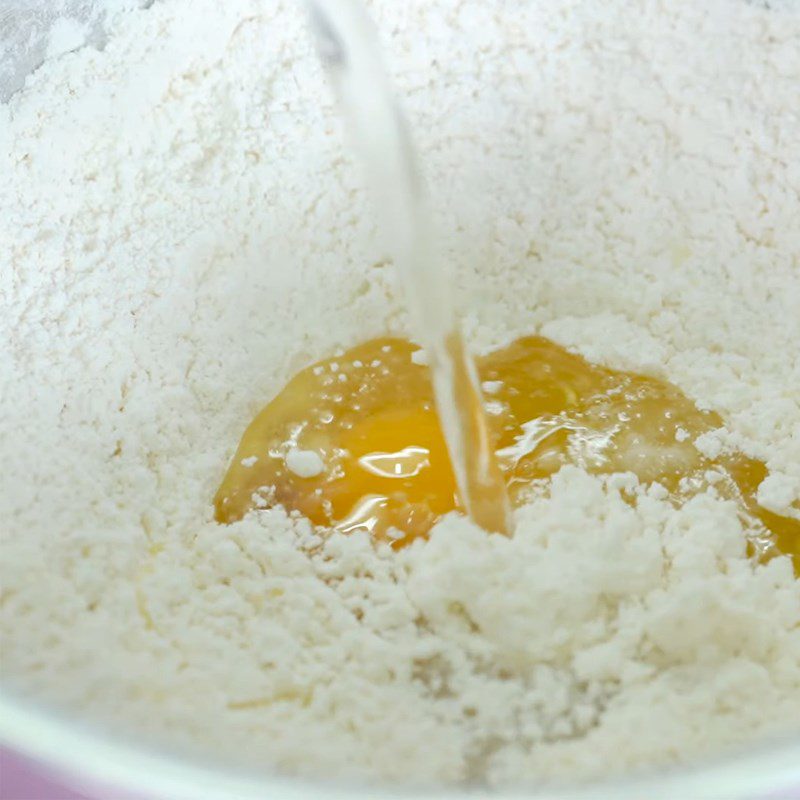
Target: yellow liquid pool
368,419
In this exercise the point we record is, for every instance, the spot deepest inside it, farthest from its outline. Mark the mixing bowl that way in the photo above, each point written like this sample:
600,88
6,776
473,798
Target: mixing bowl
103,766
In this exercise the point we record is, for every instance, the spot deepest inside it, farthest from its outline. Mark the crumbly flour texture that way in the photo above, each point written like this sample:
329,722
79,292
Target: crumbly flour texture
183,227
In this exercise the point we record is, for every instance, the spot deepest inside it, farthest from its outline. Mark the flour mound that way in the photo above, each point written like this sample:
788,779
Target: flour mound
183,229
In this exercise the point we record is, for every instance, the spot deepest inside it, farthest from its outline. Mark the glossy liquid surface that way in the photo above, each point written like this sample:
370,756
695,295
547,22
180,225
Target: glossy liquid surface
362,431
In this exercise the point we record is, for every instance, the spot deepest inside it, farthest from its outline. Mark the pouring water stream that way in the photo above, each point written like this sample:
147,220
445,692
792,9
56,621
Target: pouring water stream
349,51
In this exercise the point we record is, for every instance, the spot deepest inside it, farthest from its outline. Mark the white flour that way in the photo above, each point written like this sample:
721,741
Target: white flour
182,228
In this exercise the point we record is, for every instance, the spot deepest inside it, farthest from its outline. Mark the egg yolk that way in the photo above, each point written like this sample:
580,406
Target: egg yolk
354,442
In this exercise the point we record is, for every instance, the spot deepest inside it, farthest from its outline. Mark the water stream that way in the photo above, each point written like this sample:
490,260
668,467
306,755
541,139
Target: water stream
349,49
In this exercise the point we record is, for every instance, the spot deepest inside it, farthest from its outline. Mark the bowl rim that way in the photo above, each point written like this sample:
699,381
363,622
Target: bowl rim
109,766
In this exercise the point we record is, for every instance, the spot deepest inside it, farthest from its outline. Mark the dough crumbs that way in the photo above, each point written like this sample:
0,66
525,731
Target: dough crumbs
681,435
419,357
304,463
184,231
